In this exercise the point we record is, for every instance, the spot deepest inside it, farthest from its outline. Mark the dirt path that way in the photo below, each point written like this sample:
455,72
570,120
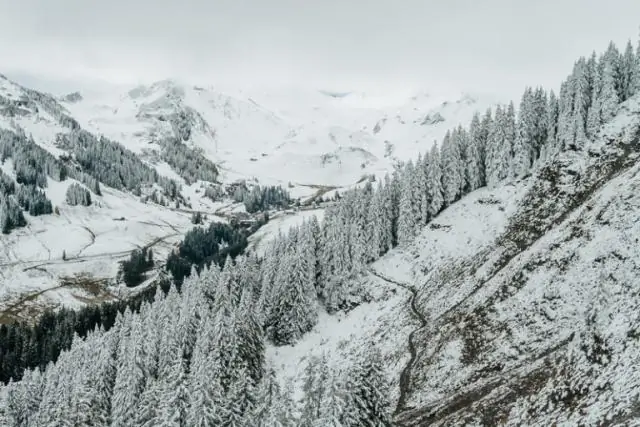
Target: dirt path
13,309
405,375
11,312
93,240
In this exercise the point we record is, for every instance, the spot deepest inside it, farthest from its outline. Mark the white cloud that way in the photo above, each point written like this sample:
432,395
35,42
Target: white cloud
489,45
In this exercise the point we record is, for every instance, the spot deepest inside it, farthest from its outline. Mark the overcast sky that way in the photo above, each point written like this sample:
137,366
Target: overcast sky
482,45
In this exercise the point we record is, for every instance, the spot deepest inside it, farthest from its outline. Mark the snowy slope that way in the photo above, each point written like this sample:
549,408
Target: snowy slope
540,327
386,322
527,301
280,136
317,141
93,240
35,117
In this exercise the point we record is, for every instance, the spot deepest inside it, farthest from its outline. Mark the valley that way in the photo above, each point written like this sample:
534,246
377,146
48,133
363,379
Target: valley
182,255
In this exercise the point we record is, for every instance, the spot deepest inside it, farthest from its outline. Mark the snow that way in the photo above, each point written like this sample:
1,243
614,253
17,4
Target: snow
280,223
281,136
344,337
93,238
386,322
552,318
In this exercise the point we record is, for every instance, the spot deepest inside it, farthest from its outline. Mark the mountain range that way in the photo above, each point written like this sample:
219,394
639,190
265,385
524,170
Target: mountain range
415,262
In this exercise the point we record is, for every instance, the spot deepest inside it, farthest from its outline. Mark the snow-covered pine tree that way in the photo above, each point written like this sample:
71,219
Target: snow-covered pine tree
635,76
367,393
594,119
332,405
388,217
523,147
609,97
173,398
315,382
551,143
375,225
461,139
78,195
487,122
407,224
628,65
581,101
422,170
204,388
293,312
473,167
497,149
452,167
434,181
540,126
250,337
129,380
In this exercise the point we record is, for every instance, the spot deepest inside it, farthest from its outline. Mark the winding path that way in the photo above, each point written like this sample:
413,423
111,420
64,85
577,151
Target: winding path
14,308
405,375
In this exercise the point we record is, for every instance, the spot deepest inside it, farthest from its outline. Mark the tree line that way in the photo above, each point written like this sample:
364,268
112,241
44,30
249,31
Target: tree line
260,198
194,358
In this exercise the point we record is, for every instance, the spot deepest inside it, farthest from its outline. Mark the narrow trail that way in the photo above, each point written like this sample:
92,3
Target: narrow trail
93,240
405,375
14,308
84,258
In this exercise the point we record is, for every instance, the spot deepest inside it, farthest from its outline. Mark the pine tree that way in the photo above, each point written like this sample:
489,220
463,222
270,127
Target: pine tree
552,124
250,337
628,65
594,119
147,412
540,122
523,147
565,114
434,178
635,76
407,225
499,148
452,167
422,178
388,217
240,399
375,225
316,377
129,378
581,103
473,176
332,405
293,313
172,402
609,98
367,393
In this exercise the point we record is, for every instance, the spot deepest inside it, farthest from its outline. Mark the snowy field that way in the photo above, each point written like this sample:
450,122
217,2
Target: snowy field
93,239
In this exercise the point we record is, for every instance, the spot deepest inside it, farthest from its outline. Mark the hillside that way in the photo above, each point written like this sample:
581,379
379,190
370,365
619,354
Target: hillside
538,327
313,143
279,136
491,279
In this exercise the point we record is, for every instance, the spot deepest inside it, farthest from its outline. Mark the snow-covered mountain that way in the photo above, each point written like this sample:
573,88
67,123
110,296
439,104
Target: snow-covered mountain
279,136
305,140
491,282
